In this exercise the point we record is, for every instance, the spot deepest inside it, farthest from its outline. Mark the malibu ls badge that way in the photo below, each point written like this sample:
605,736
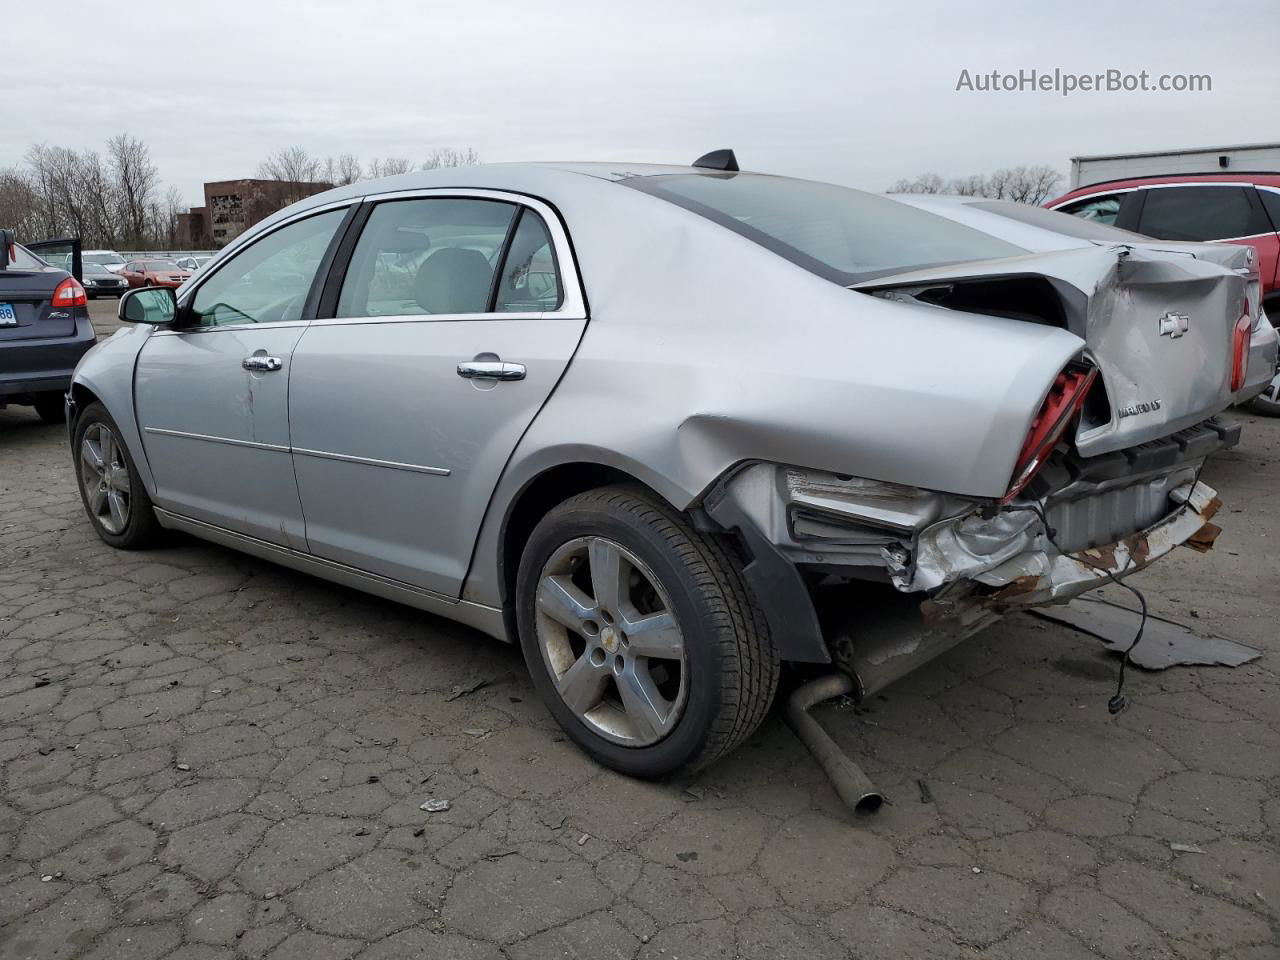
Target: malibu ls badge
1174,325
1142,406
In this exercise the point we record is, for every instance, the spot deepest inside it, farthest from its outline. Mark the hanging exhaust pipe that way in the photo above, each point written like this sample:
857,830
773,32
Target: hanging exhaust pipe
855,789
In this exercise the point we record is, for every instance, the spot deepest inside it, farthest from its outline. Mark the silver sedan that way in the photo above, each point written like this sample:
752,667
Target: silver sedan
669,427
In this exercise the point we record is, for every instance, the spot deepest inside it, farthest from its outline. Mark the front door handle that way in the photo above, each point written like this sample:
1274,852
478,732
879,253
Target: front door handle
267,364
491,370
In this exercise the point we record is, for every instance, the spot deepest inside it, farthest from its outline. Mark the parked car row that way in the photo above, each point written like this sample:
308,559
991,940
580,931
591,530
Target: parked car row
506,396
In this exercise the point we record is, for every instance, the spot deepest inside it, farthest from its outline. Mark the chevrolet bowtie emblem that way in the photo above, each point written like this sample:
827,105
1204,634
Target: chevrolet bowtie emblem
1174,325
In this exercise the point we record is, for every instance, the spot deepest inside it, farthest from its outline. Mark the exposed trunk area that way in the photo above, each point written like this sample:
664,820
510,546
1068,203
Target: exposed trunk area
1157,322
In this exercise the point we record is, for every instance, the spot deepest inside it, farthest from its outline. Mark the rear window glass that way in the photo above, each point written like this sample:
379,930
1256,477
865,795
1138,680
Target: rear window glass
1200,213
838,233
1059,222
25,260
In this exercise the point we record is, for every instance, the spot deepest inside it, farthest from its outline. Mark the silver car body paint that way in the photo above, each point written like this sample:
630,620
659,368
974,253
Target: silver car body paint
692,351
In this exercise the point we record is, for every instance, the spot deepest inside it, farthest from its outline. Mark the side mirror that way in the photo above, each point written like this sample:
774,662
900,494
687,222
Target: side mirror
153,305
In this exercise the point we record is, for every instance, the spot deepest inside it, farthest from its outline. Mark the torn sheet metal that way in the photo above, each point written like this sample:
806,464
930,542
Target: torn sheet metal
1164,643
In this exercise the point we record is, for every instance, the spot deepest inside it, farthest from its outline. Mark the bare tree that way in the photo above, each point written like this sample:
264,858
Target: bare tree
925,183
137,178
388,167
1022,184
974,185
347,169
449,157
1030,184
290,165
19,202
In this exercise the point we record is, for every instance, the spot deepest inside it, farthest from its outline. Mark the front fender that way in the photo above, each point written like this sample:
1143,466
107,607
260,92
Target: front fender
107,371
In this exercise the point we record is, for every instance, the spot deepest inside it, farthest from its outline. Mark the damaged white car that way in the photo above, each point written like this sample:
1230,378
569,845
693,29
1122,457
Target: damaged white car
668,427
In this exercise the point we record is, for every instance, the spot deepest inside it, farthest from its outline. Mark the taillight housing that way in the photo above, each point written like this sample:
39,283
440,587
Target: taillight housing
69,293
1059,409
1240,337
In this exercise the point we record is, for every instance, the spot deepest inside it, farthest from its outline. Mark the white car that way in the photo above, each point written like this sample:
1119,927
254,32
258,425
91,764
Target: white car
105,258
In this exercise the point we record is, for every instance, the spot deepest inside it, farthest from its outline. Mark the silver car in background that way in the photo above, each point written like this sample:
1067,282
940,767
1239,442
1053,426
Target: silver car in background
668,427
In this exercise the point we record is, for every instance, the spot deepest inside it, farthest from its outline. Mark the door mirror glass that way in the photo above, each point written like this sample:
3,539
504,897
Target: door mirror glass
154,305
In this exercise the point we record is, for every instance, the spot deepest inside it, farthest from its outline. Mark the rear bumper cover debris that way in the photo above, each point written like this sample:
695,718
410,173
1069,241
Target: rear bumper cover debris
1027,569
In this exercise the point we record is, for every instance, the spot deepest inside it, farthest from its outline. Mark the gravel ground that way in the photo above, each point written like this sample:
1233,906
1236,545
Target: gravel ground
206,756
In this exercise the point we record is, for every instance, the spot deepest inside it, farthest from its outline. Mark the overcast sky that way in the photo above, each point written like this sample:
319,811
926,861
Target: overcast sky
859,93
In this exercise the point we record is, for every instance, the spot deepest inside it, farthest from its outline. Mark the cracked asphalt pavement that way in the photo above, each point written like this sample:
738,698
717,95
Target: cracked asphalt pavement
206,756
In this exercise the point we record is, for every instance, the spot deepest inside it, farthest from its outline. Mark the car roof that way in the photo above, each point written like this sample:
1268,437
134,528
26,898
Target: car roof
1268,178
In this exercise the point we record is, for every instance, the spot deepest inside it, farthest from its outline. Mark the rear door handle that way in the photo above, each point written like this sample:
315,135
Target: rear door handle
491,370
267,364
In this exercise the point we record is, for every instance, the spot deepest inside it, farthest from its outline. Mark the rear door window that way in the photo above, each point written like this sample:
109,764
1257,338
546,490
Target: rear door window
1102,209
428,256
1199,213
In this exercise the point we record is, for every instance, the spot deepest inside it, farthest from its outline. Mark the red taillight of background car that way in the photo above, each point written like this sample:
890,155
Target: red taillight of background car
69,293
1060,407
1240,338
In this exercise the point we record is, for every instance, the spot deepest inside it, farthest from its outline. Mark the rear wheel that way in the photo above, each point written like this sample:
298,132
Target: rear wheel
640,634
50,407
114,498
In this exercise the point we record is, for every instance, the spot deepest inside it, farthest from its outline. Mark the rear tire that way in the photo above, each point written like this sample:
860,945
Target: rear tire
51,407
113,495
647,714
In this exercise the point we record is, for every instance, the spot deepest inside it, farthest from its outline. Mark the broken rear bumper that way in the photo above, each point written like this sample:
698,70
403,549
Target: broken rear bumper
819,542
1041,574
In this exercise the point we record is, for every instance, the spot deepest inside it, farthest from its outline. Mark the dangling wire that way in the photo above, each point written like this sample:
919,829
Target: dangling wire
1118,700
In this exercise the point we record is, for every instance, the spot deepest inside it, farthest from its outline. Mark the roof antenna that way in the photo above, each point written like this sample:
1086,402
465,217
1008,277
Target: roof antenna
718,160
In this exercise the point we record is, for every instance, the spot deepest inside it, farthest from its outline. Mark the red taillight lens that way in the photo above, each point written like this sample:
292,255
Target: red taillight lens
70,294
1240,338
1058,410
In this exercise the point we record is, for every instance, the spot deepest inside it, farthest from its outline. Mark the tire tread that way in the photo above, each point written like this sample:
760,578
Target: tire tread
750,677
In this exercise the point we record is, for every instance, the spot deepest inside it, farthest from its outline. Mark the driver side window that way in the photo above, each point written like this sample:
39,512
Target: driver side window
268,281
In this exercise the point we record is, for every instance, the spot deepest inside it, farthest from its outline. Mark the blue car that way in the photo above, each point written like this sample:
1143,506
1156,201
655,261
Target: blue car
44,330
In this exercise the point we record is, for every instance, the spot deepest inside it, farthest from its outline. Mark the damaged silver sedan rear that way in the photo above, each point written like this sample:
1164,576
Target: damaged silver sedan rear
669,427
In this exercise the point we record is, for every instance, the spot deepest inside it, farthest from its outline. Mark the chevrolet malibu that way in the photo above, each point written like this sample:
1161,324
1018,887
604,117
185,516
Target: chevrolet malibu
670,427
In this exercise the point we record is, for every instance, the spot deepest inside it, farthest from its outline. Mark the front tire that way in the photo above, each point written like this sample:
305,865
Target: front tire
114,498
640,634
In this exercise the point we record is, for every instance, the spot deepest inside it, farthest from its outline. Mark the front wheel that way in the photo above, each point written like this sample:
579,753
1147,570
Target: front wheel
110,489
640,634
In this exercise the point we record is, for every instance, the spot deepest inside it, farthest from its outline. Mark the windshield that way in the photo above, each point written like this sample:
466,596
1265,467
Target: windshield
104,258
159,265
838,233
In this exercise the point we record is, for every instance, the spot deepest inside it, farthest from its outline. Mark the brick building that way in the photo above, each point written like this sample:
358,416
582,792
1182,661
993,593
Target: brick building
233,206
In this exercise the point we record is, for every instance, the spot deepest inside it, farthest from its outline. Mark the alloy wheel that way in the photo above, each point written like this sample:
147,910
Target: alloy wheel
104,477
611,642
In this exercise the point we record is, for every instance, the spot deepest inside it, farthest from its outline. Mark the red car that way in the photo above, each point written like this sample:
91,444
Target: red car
1228,207
154,273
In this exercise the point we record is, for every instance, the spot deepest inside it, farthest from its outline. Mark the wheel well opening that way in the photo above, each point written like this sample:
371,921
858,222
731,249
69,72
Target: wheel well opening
544,492
82,396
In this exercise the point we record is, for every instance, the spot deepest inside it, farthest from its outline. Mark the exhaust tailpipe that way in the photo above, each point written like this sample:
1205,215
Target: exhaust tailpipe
853,786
